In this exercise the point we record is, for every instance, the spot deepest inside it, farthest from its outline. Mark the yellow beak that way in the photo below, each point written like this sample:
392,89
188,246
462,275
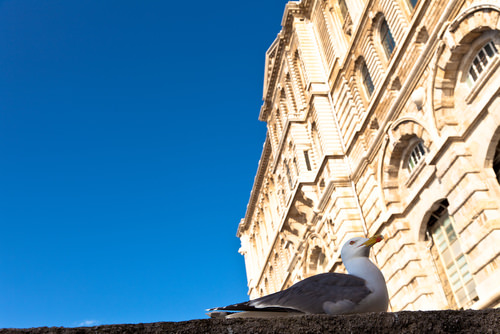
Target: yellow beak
373,240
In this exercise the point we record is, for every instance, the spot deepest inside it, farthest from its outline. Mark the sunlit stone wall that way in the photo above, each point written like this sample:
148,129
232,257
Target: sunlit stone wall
383,117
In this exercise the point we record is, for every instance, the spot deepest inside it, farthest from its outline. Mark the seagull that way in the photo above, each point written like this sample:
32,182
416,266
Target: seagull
363,289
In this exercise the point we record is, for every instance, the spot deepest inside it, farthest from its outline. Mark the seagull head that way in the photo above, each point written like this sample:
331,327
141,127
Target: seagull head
358,247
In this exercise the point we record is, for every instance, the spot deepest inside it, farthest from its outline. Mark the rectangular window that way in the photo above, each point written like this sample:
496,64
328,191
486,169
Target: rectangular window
288,175
367,80
308,162
387,39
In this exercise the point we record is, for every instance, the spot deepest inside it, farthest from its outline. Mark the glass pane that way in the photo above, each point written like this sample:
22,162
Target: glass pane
383,29
473,74
481,61
462,297
412,3
415,156
452,237
450,233
446,220
456,283
493,47
387,39
469,81
453,258
455,249
440,240
308,162
452,271
489,50
482,58
343,8
411,164
447,258
421,148
477,64
467,276
471,289
367,80
442,245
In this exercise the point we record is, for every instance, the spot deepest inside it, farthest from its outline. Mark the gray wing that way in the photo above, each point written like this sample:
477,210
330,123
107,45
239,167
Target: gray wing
309,295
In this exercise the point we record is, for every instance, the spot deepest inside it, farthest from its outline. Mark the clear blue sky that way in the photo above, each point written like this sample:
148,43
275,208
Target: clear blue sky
129,142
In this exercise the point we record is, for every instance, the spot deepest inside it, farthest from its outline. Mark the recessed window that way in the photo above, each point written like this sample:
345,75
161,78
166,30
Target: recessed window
308,160
480,62
288,174
496,162
412,3
367,79
345,17
317,259
452,257
416,156
387,39
343,9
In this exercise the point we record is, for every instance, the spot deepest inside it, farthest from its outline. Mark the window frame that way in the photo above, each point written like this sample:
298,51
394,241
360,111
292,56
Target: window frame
386,38
366,79
462,88
410,175
345,17
412,4
344,11
481,63
452,257
417,153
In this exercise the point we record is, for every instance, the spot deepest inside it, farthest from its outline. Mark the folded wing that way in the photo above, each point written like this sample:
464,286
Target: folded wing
309,295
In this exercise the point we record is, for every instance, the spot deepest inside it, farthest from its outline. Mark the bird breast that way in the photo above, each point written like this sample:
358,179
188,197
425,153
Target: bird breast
378,300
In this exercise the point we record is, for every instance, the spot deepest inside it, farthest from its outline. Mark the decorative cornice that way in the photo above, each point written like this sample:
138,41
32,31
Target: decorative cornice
276,51
474,8
257,185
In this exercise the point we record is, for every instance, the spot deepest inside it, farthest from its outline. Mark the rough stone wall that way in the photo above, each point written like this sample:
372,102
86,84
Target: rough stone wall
436,322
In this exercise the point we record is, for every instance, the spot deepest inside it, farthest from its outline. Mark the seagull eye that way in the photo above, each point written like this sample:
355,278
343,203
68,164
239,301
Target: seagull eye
352,242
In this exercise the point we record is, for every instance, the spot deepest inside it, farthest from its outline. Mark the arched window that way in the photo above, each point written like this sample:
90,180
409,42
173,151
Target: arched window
480,62
366,79
345,17
416,156
496,162
412,3
386,39
317,259
343,10
451,256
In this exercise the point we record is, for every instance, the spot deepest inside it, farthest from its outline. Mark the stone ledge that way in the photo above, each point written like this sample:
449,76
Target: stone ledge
469,321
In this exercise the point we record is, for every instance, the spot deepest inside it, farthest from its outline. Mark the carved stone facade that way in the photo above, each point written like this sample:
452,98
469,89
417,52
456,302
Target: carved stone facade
383,117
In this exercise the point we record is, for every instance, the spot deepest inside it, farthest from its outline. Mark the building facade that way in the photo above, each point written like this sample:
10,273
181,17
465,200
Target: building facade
383,116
